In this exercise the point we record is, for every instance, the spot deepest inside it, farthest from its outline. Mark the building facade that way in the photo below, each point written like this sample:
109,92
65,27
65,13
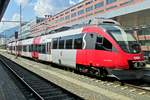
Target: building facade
132,14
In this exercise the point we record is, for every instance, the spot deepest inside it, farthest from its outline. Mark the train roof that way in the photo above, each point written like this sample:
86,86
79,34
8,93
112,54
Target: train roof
98,21
27,41
66,30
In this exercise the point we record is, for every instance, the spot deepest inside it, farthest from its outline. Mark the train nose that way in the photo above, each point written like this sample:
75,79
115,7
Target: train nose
126,74
136,64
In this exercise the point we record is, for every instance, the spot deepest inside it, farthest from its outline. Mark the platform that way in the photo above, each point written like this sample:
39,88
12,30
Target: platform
8,89
88,88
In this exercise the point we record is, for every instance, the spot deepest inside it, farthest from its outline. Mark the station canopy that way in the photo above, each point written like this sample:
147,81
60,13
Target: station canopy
3,6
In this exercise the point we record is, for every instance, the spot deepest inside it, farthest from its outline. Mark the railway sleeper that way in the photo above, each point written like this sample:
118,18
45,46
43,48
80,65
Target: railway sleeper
44,88
57,97
37,83
48,90
51,93
38,87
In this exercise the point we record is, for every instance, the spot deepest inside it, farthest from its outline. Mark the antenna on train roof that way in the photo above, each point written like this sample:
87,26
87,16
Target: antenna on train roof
98,20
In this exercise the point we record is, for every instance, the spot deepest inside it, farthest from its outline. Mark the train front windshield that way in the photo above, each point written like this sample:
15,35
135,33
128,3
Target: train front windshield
126,41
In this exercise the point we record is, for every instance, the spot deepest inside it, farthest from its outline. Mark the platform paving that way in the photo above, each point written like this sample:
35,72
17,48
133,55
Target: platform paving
8,89
87,88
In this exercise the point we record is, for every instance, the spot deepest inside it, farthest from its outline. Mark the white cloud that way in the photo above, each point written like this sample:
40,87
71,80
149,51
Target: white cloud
72,2
22,2
16,17
42,7
51,7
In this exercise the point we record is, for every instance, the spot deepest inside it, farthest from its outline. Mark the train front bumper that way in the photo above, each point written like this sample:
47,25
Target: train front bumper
136,64
126,74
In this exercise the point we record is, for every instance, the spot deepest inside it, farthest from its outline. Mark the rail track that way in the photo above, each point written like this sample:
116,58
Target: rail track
33,86
140,85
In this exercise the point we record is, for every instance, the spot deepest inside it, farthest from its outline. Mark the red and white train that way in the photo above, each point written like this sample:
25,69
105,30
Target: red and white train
102,48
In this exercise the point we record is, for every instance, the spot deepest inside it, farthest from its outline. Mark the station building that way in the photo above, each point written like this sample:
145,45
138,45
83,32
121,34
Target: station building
132,14
28,27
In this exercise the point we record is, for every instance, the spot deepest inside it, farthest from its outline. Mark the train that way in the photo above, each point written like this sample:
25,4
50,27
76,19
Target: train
102,48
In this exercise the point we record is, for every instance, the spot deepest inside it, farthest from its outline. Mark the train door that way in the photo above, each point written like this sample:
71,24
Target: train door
19,48
67,52
61,50
48,47
36,42
54,51
88,47
104,54
11,48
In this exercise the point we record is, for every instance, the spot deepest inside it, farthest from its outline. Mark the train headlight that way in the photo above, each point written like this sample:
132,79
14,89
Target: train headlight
136,65
139,64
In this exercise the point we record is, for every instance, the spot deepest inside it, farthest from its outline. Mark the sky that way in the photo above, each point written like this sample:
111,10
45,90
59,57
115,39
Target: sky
31,9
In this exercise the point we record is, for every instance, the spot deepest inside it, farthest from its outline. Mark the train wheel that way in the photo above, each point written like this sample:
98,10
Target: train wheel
104,73
82,69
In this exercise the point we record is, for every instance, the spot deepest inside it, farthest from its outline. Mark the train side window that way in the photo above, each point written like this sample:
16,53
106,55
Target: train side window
43,49
30,48
49,48
69,44
78,43
24,48
20,47
61,44
34,48
39,48
55,43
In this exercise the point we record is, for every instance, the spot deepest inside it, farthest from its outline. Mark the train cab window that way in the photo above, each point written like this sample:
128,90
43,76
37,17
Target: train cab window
99,39
55,43
69,44
78,43
107,45
103,44
61,44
